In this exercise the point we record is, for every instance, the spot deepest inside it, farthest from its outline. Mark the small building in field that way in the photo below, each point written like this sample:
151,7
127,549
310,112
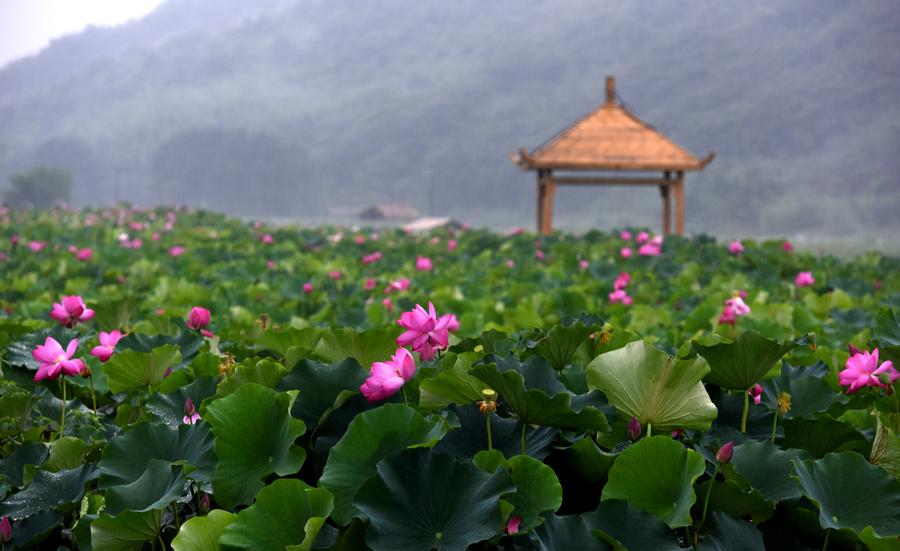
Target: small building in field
389,212
610,146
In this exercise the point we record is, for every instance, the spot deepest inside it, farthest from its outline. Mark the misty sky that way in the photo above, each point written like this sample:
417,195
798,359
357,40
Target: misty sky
26,26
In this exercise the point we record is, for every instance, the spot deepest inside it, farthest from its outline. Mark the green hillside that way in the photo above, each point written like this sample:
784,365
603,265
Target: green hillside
292,109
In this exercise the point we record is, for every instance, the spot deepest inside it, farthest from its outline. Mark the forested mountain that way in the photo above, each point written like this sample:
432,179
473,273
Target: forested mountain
294,108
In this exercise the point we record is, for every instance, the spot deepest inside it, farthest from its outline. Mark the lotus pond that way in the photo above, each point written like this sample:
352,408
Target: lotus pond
176,379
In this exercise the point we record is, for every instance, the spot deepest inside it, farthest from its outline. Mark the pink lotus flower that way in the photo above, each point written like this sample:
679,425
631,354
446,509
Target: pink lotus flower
14,240
369,284
156,236
583,264
270,264
359,239
510,263
725,452
518,230
388,304
307,288
512,527
266,239
397,285
54,360
84,254
37,246
642,237
622,281
386,378
371,258
625,235
650,249
620,296
71,311
735,247
5,530
625,252
451,245
423,264
727,317
738,305
425,332
176,251
190,413
863,370
788,247
634,428
804,279
198,318
539,254
335,274
756,393
107,345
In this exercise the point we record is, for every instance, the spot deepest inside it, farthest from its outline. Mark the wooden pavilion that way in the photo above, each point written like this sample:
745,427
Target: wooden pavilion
610,139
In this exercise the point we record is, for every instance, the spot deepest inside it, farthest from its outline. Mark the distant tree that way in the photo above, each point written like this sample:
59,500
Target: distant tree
39,188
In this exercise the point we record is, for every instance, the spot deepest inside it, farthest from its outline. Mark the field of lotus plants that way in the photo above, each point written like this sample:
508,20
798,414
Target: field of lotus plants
176,379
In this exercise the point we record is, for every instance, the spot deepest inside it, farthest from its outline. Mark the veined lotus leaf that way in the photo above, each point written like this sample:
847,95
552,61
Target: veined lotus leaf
657,475
255,436
645,382
740,364
202,533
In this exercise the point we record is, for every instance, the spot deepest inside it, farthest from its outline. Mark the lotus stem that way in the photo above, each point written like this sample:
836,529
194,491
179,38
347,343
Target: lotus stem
488,418
403,392
774,426
708,493
524,426
62,414
649,430
93,394
746,409
827,537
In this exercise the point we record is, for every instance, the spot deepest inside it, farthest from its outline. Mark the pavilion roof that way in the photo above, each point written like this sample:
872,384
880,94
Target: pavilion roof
610,138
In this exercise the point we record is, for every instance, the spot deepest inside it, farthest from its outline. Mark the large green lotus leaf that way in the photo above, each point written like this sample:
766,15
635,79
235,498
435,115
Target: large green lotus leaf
126,456
370,437
255,436
265,372
768,469
851,493
65,453
130,370
188,343
470,437
536,406
823,435
203,533
419,501
726,533
322,387
287,513
730,497
887,327
537,489
741,364
125,532
367,347
568,532
115,314
49,491
12,467
657,475
562,342
169,407
31,532
645,382
453,386
281,341
874,543
624,527
810,393
159,485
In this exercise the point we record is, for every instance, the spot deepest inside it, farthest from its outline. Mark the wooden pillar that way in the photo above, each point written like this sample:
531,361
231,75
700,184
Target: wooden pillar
541,193
548,205
667,205
678,190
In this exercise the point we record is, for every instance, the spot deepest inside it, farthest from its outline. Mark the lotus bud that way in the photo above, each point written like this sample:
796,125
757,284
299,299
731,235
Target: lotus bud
634,428
5,530
724,454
